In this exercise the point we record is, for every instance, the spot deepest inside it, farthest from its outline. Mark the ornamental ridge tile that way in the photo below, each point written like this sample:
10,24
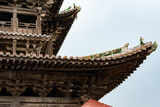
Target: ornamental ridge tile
65,12
129,52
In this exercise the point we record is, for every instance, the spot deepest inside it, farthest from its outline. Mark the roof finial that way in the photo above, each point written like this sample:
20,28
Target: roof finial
74,5
154,45
68,8
141,41
126,45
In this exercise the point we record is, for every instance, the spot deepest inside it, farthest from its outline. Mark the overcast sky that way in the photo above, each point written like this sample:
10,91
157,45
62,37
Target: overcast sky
108,24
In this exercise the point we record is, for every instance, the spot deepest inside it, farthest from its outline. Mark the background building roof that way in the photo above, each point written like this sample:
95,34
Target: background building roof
93,103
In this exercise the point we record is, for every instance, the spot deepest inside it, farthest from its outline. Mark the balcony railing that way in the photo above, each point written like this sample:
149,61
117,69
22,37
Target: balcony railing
29,28
5,26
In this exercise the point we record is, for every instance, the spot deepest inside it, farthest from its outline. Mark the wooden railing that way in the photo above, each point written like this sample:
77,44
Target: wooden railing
29,28
5,26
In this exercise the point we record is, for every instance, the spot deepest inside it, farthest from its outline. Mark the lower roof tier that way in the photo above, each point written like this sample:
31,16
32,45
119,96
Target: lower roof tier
85,77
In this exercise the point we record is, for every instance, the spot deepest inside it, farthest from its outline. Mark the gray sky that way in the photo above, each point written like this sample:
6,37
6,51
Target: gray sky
108,24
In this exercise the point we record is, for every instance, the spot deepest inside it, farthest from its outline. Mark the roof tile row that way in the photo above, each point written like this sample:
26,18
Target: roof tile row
13,35
128,52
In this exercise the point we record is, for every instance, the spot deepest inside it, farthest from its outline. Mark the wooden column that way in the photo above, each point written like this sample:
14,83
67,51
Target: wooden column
27,47
39,49
34,47
14,20
38,24
15,103
50,48
3,23
38,21
14,47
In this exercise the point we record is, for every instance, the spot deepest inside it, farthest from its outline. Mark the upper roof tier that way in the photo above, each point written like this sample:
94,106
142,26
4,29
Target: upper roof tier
35,18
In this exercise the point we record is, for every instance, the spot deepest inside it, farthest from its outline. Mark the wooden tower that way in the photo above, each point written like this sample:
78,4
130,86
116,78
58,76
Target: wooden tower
31,73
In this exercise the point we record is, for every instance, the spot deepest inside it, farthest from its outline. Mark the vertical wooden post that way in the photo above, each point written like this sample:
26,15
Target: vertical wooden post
14,47
27,47
14,20
49,49
34,47
2,26
15,103
79,104
38,21
38,24
39,49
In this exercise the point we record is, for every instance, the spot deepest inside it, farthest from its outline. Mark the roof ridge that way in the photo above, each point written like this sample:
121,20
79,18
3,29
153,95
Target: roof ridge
126,53
68,10
121,50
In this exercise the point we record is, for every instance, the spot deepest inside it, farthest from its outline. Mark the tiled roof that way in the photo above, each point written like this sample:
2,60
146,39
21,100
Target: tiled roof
85,61
95,76
120,52
67,13
25,36
93,103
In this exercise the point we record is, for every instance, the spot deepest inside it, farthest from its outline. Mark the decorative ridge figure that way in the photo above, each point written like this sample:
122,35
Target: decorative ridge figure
126,45
141,41
68,8
154,45
74,5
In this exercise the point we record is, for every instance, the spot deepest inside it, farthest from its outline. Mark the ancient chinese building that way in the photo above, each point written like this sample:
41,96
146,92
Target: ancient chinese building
31,73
